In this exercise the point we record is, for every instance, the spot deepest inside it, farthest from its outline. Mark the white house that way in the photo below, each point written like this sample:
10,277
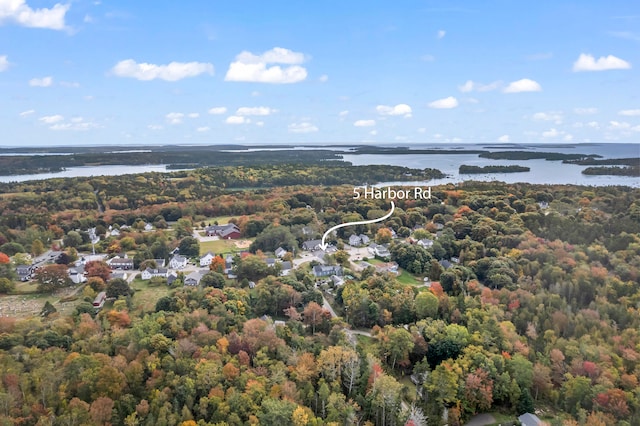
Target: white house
355,240
207,259
178,262
425,242
149,273
76,276
382,251
148,227
193,279
114,233
280,252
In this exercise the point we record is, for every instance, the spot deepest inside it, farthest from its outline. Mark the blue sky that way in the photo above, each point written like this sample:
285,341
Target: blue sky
139,72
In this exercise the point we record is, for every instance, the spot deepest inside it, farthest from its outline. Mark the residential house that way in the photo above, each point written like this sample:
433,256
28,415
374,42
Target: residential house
193,279
528,419
24,272
337,281
280,252
119,274
355,240
311,245
160,263
120,263
148,227
327,270
228,264
114,233
286,268
382,252
365,240
178,262
76,276
391,267
230,231
171,278
207,259
270,261
445,264
149,273
425,242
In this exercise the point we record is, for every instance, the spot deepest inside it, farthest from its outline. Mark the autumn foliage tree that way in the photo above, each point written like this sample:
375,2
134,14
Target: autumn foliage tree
98,268
52,277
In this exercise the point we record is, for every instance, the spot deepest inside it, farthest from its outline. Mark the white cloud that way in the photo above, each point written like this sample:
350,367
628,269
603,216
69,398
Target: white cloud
75,126
87,19
445,103
203,129
173,71
400,109
586,62
27,113
548,116
343,113
22,14
260,123
4,63
217,110
41,82
551,133
304,127
585,111
255,111
174,117
523,85
620,125
568,137
51,119
630,112
255,68
441,34
470,86
504,139
154,127
236,119
193,115
593,124
373,132
364,123
323,78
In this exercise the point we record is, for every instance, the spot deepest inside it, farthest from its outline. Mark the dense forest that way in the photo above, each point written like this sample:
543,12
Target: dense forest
525,300
612,171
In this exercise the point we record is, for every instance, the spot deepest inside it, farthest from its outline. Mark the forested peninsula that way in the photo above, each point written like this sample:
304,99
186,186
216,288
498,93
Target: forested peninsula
486,298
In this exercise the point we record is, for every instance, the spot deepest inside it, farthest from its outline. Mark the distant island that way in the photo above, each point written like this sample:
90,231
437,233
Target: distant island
532,155
466,169
612,171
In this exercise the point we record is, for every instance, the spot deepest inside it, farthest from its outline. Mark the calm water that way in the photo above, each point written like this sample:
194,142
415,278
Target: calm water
542,171
89,171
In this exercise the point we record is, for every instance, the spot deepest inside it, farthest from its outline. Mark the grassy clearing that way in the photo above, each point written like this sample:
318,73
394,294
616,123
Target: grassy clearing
221,246
222,220
146,296
367,344
408,278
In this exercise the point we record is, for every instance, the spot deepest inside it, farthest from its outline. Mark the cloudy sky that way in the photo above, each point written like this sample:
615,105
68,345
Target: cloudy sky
141,72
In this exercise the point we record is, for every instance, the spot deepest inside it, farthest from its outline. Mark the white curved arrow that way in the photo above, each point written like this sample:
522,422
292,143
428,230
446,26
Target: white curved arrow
323,245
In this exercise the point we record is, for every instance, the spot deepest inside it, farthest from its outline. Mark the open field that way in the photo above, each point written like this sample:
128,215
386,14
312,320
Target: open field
146,296
224,246
31,303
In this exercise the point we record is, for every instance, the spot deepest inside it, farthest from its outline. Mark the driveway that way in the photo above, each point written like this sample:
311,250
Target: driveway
481,420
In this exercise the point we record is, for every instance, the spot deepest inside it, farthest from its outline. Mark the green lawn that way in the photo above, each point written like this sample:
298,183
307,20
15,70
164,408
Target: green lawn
145,297
222,220
221,246
408,278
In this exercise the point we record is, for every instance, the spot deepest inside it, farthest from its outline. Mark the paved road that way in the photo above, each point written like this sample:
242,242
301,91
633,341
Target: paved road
481,420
